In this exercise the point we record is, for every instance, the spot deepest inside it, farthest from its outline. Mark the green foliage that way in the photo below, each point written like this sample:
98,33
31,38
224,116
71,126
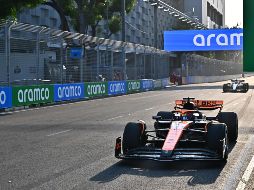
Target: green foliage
94,11
83,13
114,24
11,8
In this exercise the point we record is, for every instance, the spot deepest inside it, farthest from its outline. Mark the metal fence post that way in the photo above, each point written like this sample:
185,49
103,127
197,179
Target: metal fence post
81,64
124,63
112,64
38,55
144,61
61,60
6,51
135,63
97,61
9,53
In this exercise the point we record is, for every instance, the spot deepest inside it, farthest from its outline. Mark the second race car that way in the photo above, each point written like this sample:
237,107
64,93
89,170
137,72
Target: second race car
236,86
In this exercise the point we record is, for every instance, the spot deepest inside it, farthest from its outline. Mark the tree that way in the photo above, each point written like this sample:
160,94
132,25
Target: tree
11,8
83,13
88,13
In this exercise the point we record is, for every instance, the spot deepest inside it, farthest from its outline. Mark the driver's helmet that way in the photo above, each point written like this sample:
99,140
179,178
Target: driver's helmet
189,106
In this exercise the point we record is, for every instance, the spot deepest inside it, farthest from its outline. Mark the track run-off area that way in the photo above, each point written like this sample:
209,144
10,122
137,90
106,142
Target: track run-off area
71,146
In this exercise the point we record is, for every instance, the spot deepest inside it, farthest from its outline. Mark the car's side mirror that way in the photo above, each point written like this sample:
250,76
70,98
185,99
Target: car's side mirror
157,117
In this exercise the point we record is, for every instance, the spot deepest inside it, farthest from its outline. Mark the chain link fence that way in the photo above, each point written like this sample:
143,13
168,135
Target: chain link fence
37,55
196,65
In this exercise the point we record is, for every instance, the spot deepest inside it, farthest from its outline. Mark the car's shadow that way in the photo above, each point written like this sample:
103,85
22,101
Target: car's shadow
200,172
196,170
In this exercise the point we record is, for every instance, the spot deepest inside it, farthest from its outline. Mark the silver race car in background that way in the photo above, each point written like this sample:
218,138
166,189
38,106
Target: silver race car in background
236,86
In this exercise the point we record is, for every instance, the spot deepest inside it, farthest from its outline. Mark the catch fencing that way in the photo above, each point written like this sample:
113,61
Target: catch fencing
38,55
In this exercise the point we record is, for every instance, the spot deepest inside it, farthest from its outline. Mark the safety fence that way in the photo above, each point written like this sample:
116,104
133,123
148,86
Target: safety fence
196,65
32,55
33,95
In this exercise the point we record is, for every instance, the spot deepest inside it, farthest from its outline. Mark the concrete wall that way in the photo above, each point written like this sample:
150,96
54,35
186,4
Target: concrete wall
207,79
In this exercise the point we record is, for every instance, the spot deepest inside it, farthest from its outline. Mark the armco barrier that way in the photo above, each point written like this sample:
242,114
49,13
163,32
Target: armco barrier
93,89
157,84
28,95
147,84
37,94
133,86
165,82
73,91
5,97
117,87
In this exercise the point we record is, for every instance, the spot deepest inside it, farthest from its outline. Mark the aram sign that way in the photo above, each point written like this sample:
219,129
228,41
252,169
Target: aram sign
27,95
203,40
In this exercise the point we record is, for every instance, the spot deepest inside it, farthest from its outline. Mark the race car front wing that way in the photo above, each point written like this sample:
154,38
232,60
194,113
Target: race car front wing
157,154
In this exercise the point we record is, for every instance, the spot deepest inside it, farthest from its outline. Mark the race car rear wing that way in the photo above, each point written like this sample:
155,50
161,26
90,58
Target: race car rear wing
200,104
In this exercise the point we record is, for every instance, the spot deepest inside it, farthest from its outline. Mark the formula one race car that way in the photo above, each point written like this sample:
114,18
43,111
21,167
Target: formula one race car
182,134
236,86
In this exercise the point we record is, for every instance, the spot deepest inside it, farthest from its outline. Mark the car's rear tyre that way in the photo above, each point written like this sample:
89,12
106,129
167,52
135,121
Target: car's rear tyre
133,136
164,116
217,139
225,87
246,87
231,120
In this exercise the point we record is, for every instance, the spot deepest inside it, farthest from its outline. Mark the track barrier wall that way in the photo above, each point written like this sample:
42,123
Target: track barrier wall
31,95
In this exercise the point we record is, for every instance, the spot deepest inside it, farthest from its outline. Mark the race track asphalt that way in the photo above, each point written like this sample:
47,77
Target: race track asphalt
71,146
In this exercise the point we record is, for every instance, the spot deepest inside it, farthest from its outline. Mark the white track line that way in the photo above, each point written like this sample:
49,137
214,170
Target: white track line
246,175
58,133
240,186
248,171
114,118
148,109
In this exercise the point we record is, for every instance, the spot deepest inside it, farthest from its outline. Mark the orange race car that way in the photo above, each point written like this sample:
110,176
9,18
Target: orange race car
182,134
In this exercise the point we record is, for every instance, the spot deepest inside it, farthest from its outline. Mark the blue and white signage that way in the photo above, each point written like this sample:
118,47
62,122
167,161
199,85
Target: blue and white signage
76,53
165,82
147,84
117,87
69,91
5,97
203,40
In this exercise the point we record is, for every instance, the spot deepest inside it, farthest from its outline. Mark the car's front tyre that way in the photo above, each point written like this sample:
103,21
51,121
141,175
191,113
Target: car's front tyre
217,139
133,136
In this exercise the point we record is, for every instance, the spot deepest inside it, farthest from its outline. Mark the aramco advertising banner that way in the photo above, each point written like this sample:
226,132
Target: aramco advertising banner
28,95
5,97
133,86
96,89
69,91
203,40
117,87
